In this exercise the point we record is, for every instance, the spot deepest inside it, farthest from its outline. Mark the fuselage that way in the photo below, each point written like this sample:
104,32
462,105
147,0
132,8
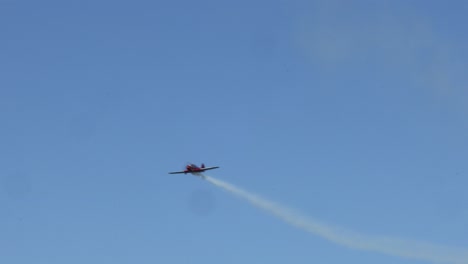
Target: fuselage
192,168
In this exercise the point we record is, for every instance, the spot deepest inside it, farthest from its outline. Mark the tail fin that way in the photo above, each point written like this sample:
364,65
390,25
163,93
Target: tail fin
202,165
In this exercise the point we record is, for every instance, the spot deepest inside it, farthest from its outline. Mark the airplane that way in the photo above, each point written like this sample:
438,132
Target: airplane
194,169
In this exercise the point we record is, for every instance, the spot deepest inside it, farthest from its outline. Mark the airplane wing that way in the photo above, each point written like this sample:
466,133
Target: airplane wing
209,168
176,172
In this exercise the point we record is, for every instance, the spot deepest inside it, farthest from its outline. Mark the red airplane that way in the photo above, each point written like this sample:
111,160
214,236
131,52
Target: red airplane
194,169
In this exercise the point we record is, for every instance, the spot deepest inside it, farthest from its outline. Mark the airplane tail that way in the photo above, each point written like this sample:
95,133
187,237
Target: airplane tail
202,165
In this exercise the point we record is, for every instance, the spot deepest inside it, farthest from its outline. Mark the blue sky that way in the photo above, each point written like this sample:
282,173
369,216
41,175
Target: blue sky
353,112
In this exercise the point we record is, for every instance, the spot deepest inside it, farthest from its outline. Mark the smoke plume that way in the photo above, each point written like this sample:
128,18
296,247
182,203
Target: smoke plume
390,246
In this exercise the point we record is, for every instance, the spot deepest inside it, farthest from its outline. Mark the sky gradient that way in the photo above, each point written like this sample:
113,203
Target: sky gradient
352,112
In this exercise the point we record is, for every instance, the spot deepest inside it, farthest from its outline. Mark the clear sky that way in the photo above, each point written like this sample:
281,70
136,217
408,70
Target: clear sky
352,112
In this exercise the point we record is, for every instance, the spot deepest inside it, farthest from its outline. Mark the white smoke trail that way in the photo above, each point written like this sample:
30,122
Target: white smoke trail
395,247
